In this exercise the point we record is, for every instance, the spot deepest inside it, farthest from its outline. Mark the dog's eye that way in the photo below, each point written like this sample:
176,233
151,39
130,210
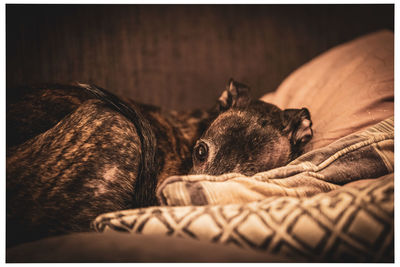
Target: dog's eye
201,151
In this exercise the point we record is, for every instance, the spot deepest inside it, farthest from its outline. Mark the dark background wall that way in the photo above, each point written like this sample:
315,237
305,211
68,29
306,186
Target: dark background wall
177,56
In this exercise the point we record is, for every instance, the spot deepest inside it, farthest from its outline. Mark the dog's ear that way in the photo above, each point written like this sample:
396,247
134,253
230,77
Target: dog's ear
235,95
298,124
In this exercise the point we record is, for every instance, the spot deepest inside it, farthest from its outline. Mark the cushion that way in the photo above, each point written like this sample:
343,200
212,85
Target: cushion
353,223
346,89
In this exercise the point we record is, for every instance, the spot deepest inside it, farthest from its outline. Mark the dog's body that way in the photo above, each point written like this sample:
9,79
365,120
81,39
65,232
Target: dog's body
74,152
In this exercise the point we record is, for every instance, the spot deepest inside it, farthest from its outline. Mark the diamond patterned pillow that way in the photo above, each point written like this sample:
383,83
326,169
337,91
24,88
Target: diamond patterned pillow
353,224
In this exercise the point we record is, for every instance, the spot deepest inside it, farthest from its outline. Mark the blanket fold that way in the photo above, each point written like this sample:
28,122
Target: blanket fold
353,224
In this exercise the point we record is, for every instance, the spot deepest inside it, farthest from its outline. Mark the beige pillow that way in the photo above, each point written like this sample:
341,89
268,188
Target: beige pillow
346,89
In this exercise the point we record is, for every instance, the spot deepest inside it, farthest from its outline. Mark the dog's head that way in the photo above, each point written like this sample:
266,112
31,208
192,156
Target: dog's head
249,136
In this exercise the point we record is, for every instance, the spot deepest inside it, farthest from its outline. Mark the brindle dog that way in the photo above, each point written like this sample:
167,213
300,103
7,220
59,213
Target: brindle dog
74,152
250,136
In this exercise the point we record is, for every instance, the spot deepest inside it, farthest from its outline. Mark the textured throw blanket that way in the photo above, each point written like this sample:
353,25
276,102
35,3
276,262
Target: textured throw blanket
331,204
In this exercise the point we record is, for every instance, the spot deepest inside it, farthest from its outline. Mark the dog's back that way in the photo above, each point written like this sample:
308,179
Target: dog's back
74,152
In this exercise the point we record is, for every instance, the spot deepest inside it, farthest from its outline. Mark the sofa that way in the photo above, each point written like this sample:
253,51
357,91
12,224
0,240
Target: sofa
335,203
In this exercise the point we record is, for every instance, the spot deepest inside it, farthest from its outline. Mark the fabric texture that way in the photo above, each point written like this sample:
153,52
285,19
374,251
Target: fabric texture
362,155
351,224
346,89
